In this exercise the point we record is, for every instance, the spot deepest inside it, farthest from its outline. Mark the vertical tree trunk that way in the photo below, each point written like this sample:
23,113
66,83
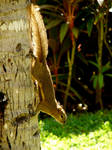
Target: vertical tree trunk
18,125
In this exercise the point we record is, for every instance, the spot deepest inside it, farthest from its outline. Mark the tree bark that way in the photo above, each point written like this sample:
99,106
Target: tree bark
18,124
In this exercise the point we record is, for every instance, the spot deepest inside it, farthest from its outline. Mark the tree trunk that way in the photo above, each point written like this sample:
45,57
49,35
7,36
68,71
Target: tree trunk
18,123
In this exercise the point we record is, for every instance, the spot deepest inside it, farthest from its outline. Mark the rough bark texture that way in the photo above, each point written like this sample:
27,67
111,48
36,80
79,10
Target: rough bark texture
18,123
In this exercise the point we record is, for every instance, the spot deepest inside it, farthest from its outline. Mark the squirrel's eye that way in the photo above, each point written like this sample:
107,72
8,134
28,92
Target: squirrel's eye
62,116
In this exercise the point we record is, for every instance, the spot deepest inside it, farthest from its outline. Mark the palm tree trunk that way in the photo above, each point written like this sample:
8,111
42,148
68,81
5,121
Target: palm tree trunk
18,125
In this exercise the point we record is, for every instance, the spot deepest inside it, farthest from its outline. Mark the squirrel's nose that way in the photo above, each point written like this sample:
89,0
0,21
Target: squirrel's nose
64,121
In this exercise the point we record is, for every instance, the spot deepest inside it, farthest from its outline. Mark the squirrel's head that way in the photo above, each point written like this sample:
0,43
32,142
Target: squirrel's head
61,116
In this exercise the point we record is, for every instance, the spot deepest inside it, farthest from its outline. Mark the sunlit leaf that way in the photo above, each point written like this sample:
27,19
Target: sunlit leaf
90,26
63,31
75,32
53,23
110,10
100,2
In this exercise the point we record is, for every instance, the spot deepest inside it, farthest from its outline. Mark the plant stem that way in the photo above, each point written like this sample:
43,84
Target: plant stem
105,34
100,50
70,63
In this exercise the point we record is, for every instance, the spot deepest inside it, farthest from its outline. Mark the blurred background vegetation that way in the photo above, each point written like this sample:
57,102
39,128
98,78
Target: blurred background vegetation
80,52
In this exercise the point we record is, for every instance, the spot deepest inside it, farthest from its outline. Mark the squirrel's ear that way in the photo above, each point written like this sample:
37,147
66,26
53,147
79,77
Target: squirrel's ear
38,34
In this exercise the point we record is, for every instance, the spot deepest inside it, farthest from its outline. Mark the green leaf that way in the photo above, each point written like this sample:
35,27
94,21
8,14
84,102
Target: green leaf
60,76
92,77
50,7
59,2
65,46
75,32
40,2
106,67
69,94
100,80
109,75
95,81
52,14
98,17
82,58
90,24
53,23
93,63
72,90
63,31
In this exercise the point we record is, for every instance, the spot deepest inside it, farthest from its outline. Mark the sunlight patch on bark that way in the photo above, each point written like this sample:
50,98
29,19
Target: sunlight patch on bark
14,26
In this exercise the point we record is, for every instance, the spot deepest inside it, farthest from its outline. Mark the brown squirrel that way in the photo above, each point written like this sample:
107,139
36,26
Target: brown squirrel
40,70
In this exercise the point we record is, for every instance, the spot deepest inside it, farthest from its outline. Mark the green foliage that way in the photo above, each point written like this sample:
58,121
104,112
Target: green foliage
99,78
98,17
109,75
82,131
78,22
72,91
53,23
95,81
63,31
94,63
106,67
90,24
75,32
41,2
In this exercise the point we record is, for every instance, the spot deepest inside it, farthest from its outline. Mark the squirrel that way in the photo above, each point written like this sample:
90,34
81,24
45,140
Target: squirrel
39,69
